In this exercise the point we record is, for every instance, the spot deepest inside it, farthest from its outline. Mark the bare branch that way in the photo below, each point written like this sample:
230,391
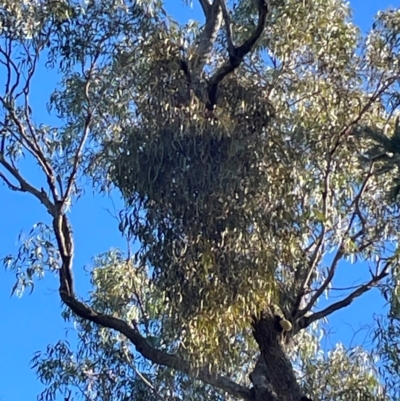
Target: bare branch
72,177
148,384
25,186
307,320
317,254
9,183
340,252
34,148
11,67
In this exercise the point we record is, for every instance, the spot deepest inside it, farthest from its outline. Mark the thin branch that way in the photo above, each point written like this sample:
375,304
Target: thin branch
332,270
88,120
307,320
9,183
7,65
340,252
25,186
355,204
3,131
20,137
315,258
34,148
72,177
148,384
9,62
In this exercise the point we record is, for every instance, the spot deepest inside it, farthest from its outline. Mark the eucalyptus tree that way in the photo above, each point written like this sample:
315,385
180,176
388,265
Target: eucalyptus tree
241,146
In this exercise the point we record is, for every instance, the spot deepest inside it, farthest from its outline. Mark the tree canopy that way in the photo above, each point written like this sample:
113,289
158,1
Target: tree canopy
256,152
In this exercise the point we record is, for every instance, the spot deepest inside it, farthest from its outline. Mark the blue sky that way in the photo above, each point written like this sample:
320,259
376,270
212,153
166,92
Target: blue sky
32,322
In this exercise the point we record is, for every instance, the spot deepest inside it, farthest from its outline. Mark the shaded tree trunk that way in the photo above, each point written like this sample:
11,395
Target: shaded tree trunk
273,377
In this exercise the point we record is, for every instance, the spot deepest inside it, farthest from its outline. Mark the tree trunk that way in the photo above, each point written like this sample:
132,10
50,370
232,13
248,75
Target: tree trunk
273,377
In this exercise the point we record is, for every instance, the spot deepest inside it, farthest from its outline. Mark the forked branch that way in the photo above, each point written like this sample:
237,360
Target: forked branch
236,53
373,282
340,253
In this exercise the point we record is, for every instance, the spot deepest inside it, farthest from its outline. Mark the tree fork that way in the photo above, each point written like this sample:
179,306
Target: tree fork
273,377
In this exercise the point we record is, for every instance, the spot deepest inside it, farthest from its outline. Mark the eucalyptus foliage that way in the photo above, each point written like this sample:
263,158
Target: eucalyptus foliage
246,147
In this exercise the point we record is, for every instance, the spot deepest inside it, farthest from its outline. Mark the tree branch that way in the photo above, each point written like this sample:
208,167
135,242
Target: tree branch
72,177
307,320
207,38
148,384
340,252
318,252
25,186
33,147
206,6
228,28
151,353
9,183
237,54
64,239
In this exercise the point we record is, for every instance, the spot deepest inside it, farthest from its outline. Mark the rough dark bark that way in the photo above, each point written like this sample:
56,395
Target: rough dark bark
207,89
236,53
273,377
